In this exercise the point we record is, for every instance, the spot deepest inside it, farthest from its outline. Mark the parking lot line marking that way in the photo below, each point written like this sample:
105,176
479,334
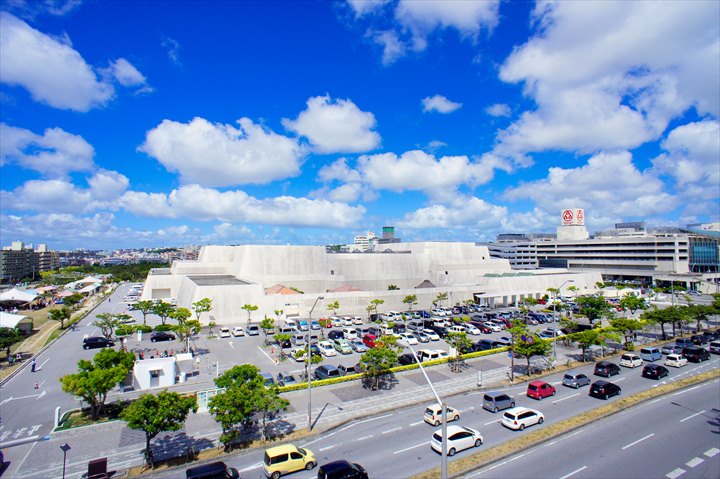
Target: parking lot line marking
488,423
391,430
327,447
364,437
574,472
692,416
568,397
411,447
266,354
416,423
231,345
638,441
675,473
618,380
695,461
712,452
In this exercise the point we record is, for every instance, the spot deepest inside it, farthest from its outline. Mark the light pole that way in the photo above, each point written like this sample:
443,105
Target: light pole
443,418
308,362
555,326
65,448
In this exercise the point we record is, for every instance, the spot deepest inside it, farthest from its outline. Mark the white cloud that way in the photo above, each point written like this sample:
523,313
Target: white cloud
173,49
52,154
602,84
222,155
393,47
498,109
463,211
364,7
126,74
108,185
52,71
338,170
608,183
439,104
229,230
198,203
334,126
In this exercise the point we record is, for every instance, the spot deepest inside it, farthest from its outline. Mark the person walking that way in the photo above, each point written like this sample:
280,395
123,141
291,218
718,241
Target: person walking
32,365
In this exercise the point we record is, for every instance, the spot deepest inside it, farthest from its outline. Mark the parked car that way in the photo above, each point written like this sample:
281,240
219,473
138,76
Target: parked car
604,389
630,360
252,330
358,346
699,339
431,334
335,334
407,339
459,438
540,389
472,329
684,342
433,414
286,379
421,337
326,371
521,417
268,380
354,369
675,360
497,401
405,359
369,340
606,369
342,346
161,336
575,380
654,371
341,470
286,459
237,331
93,342
315,326
349,333
695,354
327,349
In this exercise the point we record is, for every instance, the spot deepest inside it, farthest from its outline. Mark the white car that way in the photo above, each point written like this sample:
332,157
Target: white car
224,332
522,417
675,360
459,438
237,331
630,360
493,327
347,321
470,329
438,312
298,354
407,339
431,334
327,349
336,322
357,320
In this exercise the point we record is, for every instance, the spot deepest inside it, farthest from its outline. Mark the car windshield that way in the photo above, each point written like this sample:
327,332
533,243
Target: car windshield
509,416
437,436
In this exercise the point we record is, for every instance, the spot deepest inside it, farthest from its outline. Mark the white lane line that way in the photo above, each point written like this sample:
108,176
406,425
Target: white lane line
254,466
574,472
412,447
695,461
692,416
575,433
327,447
364,437
712,452
391,430
374,418
618,380
675,473
488,423
638,441
266,354
415,423
42,364
516,457
549,444
685,390
568,397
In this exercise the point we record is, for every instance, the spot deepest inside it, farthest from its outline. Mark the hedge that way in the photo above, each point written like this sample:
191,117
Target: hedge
144,328
164,327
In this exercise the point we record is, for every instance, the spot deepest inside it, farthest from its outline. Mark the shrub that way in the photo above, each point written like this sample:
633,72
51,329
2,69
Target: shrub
121,332
164,327
144,328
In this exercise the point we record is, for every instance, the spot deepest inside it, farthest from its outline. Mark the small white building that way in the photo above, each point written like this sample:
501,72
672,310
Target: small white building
154,373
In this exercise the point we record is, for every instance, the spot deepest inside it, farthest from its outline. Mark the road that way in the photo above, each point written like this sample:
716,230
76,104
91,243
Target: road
675,436
397,444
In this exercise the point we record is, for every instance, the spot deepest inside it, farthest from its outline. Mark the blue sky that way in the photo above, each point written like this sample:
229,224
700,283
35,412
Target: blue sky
138,124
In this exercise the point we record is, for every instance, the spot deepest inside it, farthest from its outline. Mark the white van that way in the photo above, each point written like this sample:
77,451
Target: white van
290,323
350,333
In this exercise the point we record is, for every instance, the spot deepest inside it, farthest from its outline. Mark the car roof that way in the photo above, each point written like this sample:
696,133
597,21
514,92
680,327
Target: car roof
284,449
519,409
537,382
335,465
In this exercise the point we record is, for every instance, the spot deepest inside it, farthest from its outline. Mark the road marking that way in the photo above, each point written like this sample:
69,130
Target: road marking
712,452
695,461
675,473
692,416
42,364
574,472
411,447
638,441
575,433
516,457
254,466
266,354
618,380
327,447
568,397
549,444
364,437
231,345
488,423
374,418
416,423
686,390
391,430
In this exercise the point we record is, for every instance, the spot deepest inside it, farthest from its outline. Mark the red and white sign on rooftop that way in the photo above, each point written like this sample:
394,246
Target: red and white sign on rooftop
574,216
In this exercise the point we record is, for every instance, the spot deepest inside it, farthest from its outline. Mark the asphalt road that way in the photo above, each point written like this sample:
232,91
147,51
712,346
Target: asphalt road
676,436
397,444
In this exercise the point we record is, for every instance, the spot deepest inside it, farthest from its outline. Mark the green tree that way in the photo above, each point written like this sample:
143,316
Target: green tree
107,322
671,315
410,300
249,308
440,298
573,289
8,337
586,339
95,379
374,303
461,343
278,313
232,409
334,306
632,303
163,310
369,308
594,308
73,300
393,287
202,306
187,329
534,346
60,314
153,414
181,315
699,313
144,306
627,327
268,403
267,325
377,362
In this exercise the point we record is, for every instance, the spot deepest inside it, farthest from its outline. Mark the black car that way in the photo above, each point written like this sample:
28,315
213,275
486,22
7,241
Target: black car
654,371
345,370
214,470
699,339
604,389
325,371
405,359
606,369
484,345
335,334
161,336
341,470
97,342
441,331
695,354
286,379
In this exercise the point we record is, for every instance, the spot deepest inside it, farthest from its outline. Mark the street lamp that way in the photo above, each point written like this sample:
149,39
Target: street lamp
65,448
555,326
308,362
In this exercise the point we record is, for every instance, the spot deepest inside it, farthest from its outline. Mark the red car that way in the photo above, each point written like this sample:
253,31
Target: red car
369,340
540,389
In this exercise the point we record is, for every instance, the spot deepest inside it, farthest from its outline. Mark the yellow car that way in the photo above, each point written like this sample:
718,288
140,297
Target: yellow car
286,459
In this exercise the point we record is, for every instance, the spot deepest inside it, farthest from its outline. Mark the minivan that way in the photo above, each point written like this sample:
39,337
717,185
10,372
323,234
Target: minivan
695,354
715,347
433,414
286,459
214,470
325,371
496,401
650,354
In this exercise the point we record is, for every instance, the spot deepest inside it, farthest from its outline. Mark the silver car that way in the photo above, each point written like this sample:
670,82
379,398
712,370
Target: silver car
421,336
575,380
358,346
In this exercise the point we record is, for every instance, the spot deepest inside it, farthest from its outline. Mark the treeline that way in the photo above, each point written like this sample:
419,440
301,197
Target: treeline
120,272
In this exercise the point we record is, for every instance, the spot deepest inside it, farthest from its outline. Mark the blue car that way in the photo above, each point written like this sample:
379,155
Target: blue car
424,314
315,326
303,325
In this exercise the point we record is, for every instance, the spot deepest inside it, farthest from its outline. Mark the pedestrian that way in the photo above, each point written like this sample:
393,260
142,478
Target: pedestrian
32,366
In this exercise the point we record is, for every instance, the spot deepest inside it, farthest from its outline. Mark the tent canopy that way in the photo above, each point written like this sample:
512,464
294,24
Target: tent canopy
18,296
90,288
8,320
